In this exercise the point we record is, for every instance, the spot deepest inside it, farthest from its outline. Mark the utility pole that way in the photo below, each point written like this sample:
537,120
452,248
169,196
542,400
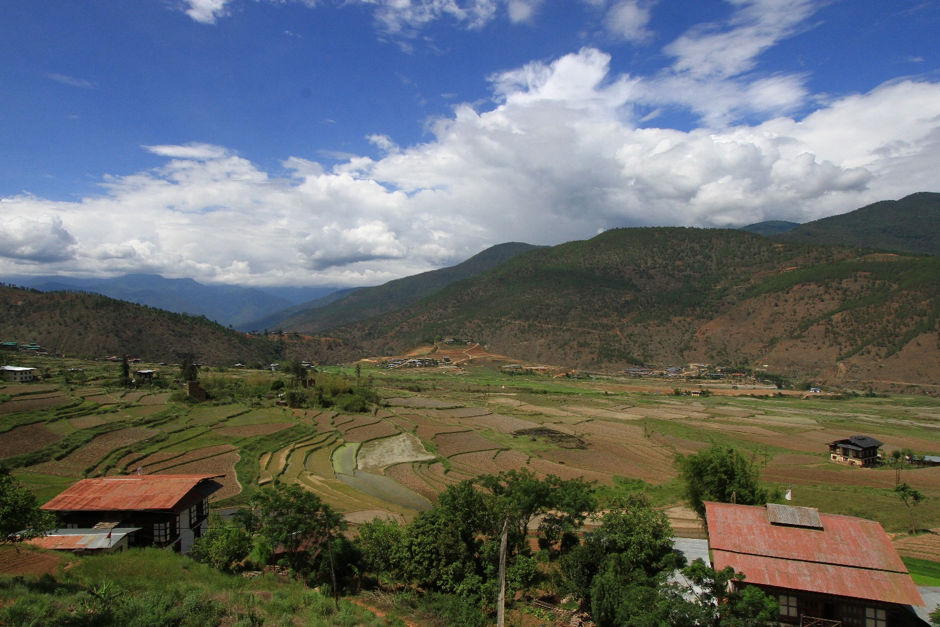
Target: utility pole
501,603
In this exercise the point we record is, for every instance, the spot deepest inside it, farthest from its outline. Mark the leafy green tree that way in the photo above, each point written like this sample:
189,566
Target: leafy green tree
911,498
223,545
20,516
297,370
722,604
935,617
125,372
721,474
189,371
380,541
295,519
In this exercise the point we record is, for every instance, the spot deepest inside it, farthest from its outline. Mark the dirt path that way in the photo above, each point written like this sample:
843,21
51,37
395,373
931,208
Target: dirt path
380,613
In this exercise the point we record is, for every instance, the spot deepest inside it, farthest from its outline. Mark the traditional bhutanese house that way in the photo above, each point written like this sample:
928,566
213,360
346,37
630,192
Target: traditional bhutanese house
86,541
171,510
858,450
824,570
17,374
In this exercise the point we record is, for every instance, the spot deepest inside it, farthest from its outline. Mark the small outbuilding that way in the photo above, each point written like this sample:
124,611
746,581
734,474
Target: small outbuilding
858,450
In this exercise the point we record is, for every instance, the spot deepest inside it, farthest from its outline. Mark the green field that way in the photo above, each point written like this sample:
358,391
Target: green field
624,434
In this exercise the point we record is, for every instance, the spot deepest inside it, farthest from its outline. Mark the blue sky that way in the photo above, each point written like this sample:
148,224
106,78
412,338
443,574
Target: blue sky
265,142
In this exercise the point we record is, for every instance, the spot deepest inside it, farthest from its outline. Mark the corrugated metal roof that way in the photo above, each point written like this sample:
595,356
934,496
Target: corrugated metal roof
848,557
795,516
132,493
845,581
81,539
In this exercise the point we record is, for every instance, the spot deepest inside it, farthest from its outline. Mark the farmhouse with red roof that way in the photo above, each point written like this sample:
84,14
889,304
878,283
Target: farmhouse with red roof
823,569
170,510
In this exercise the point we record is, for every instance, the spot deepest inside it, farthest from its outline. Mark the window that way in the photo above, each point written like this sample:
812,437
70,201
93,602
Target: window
875,617
852,615
161,532
788,606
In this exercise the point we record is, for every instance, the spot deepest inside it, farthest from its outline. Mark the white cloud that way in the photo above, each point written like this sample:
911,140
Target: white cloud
627,19
206,11
72,81
40,240
557,157
523,10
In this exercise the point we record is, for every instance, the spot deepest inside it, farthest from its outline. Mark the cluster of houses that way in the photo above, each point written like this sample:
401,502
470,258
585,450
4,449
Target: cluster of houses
824,570
690,371
417,362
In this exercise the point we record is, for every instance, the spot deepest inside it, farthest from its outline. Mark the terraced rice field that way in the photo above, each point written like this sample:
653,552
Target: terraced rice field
26,439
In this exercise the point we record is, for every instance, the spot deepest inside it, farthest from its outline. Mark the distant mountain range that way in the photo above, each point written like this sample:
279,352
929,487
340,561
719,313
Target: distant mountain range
368,302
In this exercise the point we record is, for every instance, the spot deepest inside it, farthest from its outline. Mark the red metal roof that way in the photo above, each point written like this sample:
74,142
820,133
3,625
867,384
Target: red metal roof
129,493
849,557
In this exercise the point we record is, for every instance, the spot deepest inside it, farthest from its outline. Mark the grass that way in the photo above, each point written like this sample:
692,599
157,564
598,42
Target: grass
923,572
154,587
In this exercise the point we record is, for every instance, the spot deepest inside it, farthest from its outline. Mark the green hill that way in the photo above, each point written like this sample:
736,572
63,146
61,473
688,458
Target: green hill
673,295
91,325
910,225
368,302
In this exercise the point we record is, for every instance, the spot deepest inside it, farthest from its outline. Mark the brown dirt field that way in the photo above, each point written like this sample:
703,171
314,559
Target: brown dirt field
613,431
73,464
455,443
544,467
925,546
255,430
436,471
420,419
427,432
405,475
681,445
324,421
653,459
461,412
25,439
150,460
28,561
503,424
358,421
595,412
724,427
26,388
30,403
139,411
481,462
133,397
155,399
795,459
341,420
401,423
429,403
370,432
220,464
102,399
190,456
605,463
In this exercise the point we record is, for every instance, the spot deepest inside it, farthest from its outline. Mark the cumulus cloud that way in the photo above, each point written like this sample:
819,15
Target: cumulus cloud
557,156
40,240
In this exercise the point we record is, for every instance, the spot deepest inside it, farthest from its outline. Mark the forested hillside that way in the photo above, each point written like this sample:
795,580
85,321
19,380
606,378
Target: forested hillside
911,224
375,301
662,295
90,325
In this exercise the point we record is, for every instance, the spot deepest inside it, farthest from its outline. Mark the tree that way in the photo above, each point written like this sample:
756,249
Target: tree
20,516
912,498
125,372
296,369
379,540
189,371
295,519
720,474
223,545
